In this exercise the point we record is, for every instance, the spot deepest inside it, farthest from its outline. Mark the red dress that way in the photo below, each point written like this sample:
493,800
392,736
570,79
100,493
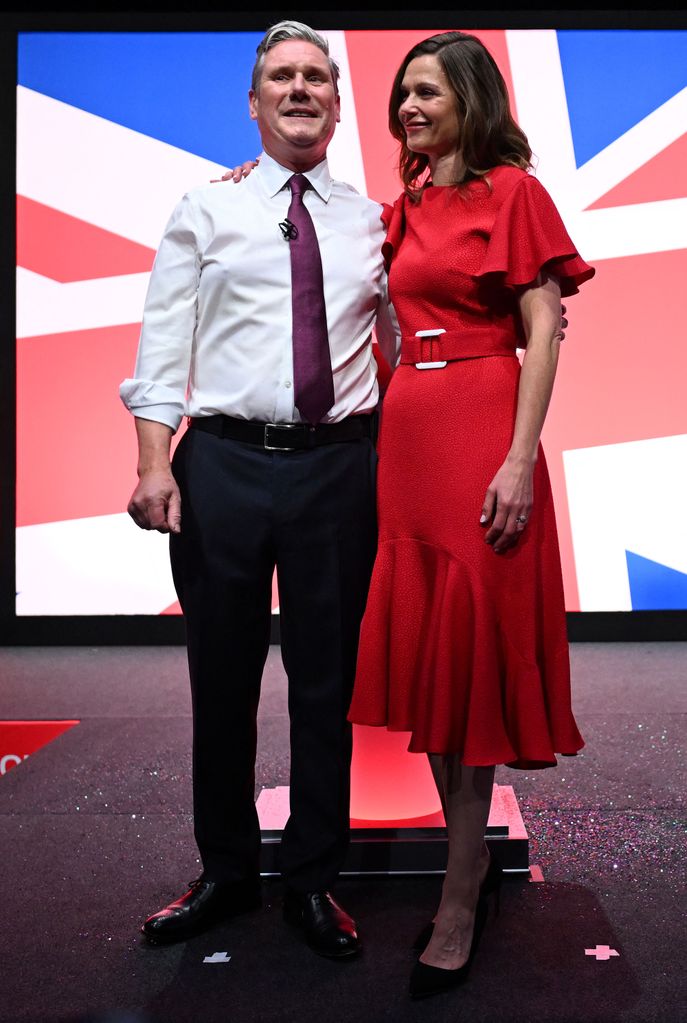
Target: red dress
465,649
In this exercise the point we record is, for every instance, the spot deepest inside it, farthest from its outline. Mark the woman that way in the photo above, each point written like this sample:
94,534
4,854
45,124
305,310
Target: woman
464,644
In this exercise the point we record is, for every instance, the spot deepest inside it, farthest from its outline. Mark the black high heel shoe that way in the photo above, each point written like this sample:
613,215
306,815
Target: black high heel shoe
428,980
493,879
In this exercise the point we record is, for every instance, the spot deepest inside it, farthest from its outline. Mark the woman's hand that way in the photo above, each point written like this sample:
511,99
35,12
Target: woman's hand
238,173
508,504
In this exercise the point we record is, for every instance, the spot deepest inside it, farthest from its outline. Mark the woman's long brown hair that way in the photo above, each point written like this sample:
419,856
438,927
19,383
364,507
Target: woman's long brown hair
489,135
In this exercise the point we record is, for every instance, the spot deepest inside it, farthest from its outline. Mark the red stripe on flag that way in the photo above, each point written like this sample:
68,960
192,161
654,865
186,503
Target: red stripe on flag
660,178
621,374
66,249
76,442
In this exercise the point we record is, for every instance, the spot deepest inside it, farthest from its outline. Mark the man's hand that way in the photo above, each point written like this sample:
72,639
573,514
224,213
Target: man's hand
156,502
560,333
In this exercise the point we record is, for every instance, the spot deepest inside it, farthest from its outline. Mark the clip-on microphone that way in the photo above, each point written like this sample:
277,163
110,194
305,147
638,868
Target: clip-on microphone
289,230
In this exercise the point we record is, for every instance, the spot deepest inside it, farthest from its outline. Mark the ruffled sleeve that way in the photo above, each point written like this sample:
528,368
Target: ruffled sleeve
528,236
393,218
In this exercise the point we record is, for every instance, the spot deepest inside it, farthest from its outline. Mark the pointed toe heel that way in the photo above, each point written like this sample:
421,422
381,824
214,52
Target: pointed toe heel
432,980
428,980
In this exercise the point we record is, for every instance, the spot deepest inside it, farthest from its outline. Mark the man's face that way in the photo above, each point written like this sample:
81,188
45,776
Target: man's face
296,105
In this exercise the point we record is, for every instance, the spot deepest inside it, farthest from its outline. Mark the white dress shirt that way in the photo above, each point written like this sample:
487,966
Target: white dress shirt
216,330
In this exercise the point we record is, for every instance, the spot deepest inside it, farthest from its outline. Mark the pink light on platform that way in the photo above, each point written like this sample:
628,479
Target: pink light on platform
388,784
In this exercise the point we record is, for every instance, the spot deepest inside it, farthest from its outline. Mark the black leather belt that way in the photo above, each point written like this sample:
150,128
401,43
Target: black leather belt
285,436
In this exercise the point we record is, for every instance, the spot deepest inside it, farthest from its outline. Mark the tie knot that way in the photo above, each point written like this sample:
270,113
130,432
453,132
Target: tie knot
298,184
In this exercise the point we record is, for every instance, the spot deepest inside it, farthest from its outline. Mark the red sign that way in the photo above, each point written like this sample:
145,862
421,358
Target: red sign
19,739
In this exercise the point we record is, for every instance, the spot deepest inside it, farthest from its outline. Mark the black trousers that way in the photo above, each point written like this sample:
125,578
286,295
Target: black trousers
312,514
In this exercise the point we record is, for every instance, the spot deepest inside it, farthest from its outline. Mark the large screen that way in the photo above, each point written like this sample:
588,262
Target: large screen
114,127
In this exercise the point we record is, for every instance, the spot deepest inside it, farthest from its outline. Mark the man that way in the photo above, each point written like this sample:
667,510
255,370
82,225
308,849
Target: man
272,471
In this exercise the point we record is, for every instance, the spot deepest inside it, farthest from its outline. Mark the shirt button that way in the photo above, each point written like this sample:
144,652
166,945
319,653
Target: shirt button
287,383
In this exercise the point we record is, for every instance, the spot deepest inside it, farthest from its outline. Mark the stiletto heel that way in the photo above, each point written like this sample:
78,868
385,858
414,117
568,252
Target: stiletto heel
422,940
428,980
491,885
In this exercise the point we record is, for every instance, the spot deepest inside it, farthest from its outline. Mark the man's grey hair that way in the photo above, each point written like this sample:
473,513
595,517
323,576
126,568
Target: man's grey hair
282,31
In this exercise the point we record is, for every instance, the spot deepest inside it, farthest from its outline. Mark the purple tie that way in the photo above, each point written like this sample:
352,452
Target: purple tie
312,367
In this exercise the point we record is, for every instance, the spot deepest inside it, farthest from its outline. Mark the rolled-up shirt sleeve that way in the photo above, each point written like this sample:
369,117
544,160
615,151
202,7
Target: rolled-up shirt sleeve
159,384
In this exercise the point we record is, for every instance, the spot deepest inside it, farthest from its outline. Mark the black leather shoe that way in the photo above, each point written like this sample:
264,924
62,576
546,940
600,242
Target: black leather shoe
328,929
204,904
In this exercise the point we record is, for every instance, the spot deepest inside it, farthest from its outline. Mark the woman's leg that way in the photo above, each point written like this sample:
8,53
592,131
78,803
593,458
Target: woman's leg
465,794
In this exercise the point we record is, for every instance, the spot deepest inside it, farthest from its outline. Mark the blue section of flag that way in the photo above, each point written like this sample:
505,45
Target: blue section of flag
613,79
653,586
189,89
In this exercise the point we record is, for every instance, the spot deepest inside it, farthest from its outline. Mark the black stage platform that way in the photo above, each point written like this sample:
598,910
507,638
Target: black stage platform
96,833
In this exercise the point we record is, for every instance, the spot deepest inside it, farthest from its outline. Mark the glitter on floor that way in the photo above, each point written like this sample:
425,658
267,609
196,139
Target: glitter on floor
97,833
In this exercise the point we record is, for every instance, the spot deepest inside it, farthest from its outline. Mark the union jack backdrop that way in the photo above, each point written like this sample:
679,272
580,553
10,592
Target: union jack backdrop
113,127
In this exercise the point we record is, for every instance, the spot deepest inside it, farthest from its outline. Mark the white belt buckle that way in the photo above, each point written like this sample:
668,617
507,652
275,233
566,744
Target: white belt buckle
430,333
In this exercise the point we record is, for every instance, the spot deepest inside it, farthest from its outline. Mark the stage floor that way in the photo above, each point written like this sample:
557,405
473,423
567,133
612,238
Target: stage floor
96,833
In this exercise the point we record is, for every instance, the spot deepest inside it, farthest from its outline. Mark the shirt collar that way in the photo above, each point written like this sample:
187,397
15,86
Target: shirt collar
273,176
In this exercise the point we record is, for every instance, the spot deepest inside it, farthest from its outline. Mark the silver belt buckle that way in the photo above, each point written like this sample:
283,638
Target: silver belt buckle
430,333
280,426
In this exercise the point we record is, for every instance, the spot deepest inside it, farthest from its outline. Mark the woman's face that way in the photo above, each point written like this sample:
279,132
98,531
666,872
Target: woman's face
428,110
